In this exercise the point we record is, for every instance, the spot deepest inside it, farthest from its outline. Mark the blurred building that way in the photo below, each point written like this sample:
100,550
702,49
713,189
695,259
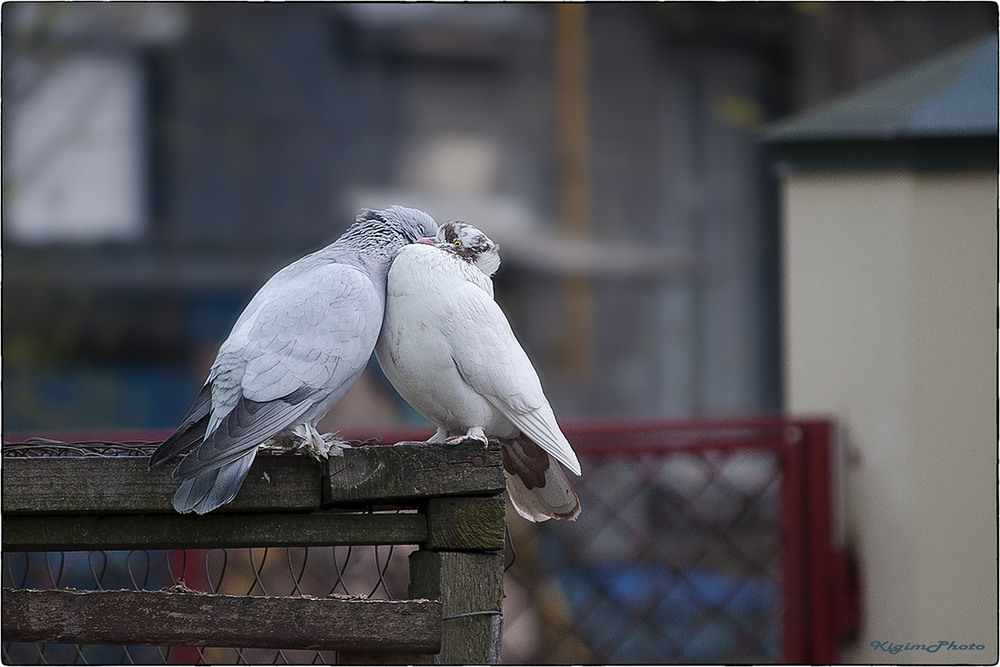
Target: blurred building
162,160
890,245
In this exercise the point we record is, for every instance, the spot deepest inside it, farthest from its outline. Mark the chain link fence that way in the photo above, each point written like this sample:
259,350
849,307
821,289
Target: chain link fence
689,549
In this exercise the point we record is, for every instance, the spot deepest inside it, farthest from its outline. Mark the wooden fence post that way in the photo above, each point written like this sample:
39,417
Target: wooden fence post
470,588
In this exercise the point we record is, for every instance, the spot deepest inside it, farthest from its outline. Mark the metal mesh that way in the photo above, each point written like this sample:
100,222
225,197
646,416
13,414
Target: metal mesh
43,447
675,558
376,572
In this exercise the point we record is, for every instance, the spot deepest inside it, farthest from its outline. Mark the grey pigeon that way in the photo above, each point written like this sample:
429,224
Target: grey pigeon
299,346
448,349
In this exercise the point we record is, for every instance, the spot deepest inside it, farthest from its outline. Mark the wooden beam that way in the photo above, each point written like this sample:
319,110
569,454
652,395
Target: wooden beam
474,524
186,618
371,475
414,471
188,531
124,485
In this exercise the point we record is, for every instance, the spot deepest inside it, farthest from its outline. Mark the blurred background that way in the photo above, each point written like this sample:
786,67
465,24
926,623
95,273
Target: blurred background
162,160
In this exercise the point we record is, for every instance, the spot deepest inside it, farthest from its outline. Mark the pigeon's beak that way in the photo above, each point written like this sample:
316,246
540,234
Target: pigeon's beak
429,240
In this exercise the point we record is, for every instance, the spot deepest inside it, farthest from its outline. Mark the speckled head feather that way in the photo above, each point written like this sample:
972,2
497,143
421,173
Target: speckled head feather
388,229
469,243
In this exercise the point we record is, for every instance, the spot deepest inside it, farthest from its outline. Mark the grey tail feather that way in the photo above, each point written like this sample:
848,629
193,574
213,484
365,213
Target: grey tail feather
190,432
213,488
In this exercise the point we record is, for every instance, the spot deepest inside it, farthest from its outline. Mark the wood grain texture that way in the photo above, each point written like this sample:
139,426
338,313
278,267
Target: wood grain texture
187,531
372,475
470,586
413,471
474,524
187,618
123,485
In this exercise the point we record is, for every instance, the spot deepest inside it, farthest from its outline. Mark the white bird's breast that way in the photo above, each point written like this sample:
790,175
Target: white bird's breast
415,347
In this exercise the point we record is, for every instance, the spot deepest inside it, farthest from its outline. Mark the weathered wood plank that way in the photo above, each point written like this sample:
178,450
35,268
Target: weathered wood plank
410,471
470,586
109,485
466,524
166,531
362,476
188,618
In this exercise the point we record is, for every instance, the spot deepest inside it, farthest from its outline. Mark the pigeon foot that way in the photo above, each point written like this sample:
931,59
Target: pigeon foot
317,446
475,434
334,444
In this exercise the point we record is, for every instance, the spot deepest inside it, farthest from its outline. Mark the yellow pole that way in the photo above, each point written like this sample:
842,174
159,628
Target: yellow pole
574,186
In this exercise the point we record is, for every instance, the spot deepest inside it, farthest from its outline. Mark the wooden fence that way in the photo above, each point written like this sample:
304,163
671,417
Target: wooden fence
455,589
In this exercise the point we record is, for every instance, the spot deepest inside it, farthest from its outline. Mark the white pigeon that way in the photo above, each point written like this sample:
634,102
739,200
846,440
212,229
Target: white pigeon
299,346
449,351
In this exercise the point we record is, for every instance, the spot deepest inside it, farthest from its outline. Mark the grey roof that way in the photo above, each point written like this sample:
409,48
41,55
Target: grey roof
951,95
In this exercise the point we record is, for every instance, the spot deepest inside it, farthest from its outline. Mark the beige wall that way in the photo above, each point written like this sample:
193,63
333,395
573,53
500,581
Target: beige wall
890,326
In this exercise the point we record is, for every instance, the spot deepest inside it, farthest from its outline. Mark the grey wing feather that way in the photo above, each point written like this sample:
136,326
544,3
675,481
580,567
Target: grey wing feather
493,363
246,426
304,344
298,347
190,432
312,331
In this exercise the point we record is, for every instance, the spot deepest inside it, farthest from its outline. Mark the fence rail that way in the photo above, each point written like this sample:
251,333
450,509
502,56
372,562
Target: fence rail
178,618
444,499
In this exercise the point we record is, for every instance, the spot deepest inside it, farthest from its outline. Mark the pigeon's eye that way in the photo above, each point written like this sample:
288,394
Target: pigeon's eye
420,228
458,243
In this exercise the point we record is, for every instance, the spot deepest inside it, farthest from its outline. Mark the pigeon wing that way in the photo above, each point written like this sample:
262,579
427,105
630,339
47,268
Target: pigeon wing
495,365
190,432
302,342
316,330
